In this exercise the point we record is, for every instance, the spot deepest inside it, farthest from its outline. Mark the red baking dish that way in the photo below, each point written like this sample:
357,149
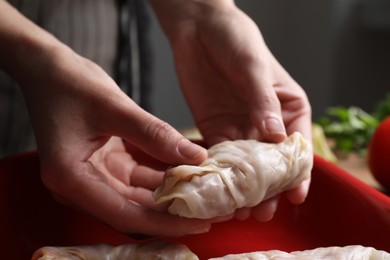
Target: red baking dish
340,210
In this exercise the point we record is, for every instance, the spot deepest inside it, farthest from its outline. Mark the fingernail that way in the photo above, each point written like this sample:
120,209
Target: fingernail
273,126
200,230
190,150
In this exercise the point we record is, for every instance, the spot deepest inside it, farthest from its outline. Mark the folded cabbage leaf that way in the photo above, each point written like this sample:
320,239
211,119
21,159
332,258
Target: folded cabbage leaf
236,174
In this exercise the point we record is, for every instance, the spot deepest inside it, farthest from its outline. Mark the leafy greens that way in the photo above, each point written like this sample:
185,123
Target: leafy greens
351,128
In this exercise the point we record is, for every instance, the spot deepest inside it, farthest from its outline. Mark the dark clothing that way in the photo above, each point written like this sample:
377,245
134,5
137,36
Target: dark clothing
111,33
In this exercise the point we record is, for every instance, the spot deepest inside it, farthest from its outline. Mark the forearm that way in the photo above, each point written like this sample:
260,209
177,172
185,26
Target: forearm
23,44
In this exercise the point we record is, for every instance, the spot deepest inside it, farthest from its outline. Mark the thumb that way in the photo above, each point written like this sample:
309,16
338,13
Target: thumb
265,109
154,136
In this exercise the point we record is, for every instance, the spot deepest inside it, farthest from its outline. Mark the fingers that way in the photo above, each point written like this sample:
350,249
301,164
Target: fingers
266,113
295,103
88,190
152,135
146,177
122,167
302,123
262,212
271,126
243,213
264,104
150,222
279,105
266,209
298,195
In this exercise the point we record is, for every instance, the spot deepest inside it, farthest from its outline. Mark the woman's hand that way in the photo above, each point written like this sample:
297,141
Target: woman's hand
234,86
77,116
80,117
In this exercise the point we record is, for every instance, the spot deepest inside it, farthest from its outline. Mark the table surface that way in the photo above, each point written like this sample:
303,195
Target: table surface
357,166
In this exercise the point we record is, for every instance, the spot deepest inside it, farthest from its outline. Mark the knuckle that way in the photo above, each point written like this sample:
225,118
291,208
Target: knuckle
269,101
303,103
306,107
253,64
159,130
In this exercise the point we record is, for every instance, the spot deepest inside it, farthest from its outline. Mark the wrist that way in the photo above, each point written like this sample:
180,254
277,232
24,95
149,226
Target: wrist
172,14
23,44
31,53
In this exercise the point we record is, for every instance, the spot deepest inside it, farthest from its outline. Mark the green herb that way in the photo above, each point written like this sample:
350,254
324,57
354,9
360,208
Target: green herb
382,110
351,128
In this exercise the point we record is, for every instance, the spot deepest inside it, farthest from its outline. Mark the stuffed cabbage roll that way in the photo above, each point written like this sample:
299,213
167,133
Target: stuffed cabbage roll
156,250
353,252
237,174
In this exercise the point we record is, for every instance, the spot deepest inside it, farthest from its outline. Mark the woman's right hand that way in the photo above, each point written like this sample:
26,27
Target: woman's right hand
80,117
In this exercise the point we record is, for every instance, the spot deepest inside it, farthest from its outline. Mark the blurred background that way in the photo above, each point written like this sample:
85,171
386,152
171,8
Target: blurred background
338,51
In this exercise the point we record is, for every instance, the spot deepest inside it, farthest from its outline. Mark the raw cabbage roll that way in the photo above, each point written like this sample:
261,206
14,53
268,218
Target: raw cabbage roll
156,250
353,252
237,174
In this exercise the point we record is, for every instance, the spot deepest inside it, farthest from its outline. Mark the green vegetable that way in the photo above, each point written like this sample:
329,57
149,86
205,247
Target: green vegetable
383,109
351,128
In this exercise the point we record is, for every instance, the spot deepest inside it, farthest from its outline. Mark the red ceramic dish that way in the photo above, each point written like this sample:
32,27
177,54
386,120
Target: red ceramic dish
340,210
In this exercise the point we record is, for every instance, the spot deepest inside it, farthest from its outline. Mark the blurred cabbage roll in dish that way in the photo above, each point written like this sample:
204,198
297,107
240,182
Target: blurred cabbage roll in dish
159,250
351,252
236,174
155,250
